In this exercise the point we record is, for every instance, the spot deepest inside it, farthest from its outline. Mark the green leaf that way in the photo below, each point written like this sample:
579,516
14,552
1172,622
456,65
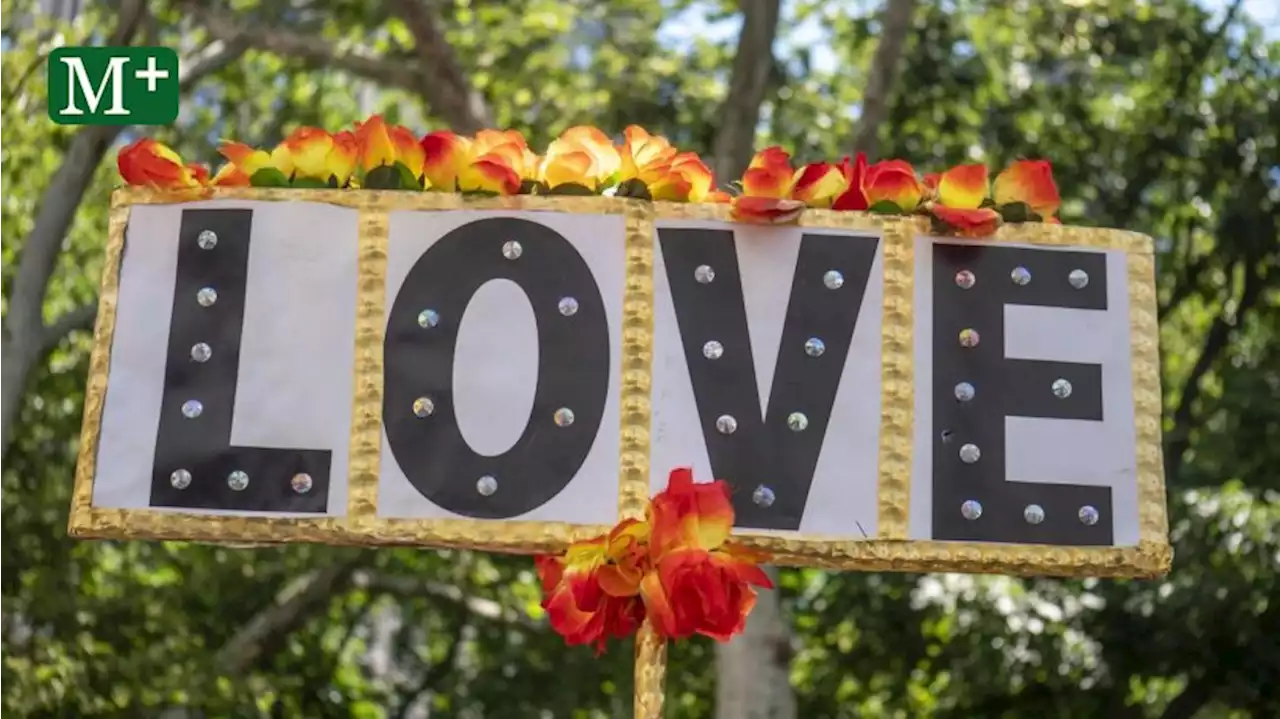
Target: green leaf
268,177
1015,212
635,188
571,188
886,207
408,181
532,187
385,177
479,193
311,182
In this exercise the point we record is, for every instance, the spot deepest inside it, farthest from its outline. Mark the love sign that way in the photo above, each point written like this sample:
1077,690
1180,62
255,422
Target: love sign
513,373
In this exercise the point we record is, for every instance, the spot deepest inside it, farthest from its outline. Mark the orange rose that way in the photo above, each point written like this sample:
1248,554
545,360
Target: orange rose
242,162
149,163
577,603
818,184
766,210
855,197
894,181
568,167
643,156
444,158
199,173
963,187
341,161
978,222
308,151
1029,181
604,160
718,197
769,175
490,173
686,178
374,140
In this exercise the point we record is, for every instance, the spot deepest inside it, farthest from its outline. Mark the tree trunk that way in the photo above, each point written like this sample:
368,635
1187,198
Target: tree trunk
895,22
740,112
754,669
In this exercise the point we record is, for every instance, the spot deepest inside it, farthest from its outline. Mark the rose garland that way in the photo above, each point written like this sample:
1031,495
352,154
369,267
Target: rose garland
676,566
585,161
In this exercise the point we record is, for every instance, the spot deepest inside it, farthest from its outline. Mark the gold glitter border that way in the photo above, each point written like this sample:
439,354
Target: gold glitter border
889,551
365,452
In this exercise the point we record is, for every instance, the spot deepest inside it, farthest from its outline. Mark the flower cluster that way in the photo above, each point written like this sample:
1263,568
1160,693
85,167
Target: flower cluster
585,161
960,201
676,566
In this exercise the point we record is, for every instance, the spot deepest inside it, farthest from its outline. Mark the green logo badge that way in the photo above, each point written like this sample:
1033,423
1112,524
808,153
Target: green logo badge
113,86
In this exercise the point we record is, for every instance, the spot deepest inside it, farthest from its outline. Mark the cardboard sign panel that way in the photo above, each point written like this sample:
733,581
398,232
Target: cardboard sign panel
516,373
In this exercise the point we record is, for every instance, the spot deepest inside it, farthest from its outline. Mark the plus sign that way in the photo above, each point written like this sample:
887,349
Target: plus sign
151,74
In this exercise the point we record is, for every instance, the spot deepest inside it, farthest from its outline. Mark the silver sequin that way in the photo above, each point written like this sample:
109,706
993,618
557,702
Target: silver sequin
512,250
207,296
797,422
726,424
814,347
424,407
713,350
568,306
969,337
704,274
1088,515
1061,388
763,496
301,483
180,479
563,417
207,239
1020,276
486,485
237,480
965,279
971,509
1034,514
1078,279
192,408
201,352
833,279
969,453
428,319
965,391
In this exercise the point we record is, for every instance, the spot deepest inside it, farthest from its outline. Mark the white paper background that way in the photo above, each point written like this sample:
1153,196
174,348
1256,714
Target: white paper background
296,351
1051,451
495,370
844,490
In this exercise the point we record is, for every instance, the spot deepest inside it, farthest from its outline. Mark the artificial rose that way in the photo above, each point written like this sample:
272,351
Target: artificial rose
445,156
373,138
643,156
818,184
568,167
342,159
769,175
893,181
242,162
978,222
695,591
308,151
408,149
490,173
963,187
149,163
1031,182
604,160
766,210
592,591
685,178
855,197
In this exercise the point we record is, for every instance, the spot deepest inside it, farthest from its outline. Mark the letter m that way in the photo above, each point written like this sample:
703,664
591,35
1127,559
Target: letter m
78,78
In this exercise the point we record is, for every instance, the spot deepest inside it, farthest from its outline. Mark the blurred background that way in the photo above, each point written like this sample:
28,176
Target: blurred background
1160,116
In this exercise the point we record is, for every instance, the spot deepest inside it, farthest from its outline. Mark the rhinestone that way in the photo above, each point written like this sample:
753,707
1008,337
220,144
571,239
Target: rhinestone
833,280
201,352
726,424
712,350
969,453
1088,515
704,274
1020,276
207,239
424,407
1078,279
965,279
797,421
486,485
512,250
238,480
965,391
192,408
181,479
1061,388
971,509
1034,514
568,306
563,417
968,337
814,347
763,496
301,483
207,296
428,319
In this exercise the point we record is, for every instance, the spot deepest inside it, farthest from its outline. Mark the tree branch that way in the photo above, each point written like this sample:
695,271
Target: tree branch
444,85
740,111
894,24
478,607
